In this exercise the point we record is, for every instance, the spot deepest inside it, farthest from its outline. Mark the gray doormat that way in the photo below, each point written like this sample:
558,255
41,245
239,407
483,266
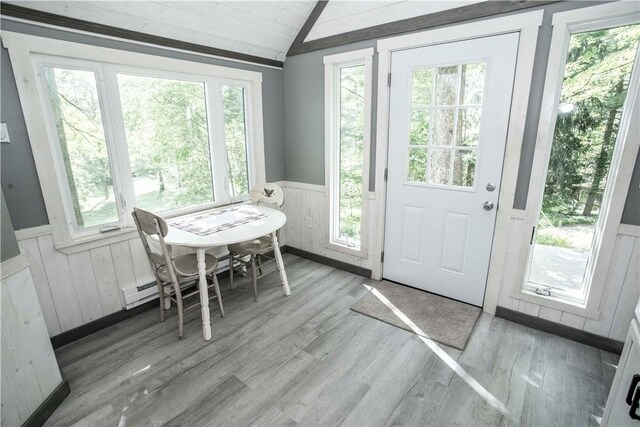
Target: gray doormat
441,319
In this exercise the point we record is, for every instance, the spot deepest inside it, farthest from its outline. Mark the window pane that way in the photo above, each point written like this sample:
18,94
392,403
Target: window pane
78,119
443,126
472,85
468,127
439,165
446,83
417,171
168,141
464,168
419,127
422,86
236,138
351,154
594,87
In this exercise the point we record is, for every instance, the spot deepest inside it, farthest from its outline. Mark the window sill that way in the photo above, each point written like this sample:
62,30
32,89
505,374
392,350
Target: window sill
557,303
92,241
346,250
96,240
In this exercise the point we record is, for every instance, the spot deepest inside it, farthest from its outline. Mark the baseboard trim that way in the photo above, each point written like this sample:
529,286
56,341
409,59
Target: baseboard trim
360,271
50,404
94,326
593,340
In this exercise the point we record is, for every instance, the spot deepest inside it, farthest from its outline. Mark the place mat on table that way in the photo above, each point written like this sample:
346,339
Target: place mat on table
216,221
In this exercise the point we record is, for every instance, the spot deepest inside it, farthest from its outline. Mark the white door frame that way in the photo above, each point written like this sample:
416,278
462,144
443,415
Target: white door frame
527,24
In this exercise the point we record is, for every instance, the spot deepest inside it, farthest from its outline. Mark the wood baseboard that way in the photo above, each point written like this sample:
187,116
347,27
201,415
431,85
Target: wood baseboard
578,335
360,271
50,404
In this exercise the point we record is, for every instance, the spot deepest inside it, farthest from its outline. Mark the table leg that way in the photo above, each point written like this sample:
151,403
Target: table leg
280,264
204,295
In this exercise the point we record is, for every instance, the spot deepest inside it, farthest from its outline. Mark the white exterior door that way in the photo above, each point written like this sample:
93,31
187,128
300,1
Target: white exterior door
449,112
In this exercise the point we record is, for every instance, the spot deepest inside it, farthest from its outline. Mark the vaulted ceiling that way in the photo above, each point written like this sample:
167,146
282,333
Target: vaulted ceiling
264,29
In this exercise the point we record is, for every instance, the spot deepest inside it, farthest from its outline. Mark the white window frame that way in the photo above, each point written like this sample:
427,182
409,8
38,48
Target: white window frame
332,66
28,52
625,153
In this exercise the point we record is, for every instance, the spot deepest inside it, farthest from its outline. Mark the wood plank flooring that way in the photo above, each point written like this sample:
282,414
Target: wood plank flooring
307,359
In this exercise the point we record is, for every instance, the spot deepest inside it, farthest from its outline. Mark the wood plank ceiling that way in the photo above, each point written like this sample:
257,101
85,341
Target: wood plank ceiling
261,28
340,17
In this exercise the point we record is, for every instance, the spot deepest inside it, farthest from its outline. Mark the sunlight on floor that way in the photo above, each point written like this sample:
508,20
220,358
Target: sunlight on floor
141,371
459,370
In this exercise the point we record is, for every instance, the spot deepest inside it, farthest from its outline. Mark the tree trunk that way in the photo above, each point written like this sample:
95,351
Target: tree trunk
57,114
161,181
602,162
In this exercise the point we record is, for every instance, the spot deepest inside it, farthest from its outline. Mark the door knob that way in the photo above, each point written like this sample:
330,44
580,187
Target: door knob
490,186
487,206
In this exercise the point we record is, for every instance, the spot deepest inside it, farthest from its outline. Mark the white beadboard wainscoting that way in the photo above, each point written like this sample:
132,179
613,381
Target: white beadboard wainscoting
77,288
307,228
30,371
621,292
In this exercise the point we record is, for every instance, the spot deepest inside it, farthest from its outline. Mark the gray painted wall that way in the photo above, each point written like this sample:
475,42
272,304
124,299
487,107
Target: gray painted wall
304,116
8,243
19,177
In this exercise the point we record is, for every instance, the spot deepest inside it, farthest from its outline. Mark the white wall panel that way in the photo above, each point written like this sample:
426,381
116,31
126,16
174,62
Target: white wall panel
29,368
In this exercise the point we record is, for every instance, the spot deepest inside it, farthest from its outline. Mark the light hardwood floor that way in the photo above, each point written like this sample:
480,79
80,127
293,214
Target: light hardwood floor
308,360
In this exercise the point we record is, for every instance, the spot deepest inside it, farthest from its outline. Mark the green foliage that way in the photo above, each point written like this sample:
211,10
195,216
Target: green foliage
351,152
595,83
549,239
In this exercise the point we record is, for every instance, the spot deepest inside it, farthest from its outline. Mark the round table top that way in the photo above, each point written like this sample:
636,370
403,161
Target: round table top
272,221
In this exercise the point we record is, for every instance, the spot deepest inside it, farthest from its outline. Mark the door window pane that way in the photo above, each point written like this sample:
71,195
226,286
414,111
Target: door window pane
468,132
168,141
235,131
421,87
444,123
443,126
420,121
472,83
594,88
446,85
73,95
439,166
417,170
464,168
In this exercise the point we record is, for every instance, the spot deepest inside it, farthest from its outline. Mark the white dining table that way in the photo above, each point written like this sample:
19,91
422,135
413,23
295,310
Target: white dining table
270,220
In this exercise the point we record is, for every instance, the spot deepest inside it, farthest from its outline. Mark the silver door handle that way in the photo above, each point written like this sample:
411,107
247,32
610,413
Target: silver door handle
487,206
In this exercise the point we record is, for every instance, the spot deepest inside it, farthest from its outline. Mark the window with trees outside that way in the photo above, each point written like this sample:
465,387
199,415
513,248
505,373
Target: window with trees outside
162,141
594,88
348,111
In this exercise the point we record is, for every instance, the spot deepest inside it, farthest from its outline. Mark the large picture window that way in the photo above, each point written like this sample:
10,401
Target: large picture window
160,154
348,122
112,130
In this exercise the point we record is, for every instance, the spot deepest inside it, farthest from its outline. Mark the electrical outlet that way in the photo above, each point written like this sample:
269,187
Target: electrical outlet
308,221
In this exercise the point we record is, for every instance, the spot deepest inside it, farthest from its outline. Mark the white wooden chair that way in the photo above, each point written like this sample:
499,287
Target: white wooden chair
173,274
253,252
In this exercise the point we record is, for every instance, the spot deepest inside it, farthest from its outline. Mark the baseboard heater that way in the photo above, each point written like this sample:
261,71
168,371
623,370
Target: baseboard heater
134,295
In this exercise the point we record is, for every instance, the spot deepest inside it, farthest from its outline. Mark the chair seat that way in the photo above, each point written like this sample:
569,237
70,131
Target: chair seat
257,246
186,266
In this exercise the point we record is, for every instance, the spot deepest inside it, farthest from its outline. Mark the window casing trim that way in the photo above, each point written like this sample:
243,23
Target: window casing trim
564,25
332,66
26,50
